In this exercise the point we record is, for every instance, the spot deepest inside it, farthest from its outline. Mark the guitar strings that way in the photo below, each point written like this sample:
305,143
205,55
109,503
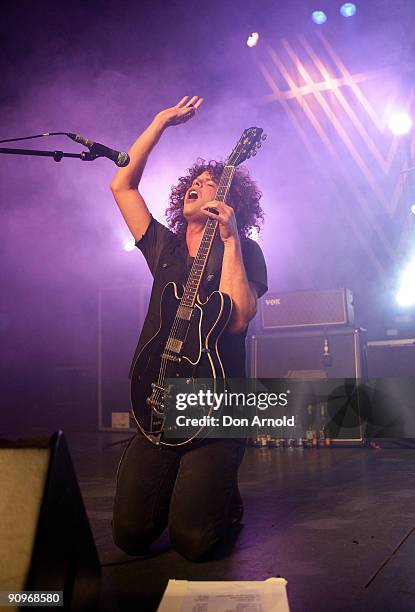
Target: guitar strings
207,240
179,325
206,243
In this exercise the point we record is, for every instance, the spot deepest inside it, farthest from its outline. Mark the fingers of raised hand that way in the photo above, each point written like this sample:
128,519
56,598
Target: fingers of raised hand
187,102
192,101
195,102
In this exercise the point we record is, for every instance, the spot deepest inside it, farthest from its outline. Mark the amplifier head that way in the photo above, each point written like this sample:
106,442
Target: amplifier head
311,308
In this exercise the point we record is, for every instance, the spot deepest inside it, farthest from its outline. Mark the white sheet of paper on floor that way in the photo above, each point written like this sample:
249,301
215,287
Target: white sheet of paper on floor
234,596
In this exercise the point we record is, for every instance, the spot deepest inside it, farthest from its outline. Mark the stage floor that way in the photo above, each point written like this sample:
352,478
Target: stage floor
338,524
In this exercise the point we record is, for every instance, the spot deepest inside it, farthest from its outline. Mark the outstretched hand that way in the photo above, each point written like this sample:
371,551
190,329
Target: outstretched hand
182,112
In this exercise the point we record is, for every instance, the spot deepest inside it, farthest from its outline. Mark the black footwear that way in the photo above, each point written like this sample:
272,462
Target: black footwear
236,508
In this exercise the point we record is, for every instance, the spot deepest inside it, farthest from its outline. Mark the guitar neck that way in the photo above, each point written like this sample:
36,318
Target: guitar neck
199,264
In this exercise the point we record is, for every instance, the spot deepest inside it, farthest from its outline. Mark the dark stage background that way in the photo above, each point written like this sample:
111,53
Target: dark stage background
335,197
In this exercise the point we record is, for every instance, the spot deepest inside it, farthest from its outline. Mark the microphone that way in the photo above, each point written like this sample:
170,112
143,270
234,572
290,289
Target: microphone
119,157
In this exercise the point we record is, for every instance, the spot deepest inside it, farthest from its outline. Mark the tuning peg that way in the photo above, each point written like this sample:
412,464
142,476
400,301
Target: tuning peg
263,137
253,153
258,145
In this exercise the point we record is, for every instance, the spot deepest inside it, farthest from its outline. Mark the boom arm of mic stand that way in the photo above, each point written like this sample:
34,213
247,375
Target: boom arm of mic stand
57,155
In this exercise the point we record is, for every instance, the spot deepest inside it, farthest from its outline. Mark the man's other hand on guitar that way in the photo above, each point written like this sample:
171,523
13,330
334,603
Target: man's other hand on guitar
225,215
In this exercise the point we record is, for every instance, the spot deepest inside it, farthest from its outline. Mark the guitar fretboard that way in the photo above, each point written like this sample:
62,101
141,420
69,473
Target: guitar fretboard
199,264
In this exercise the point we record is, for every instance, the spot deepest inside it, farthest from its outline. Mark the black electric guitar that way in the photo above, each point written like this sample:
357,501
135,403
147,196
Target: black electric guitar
185,345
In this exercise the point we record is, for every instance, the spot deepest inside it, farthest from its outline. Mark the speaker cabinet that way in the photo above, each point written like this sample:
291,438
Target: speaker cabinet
391,367
121,313
46,541
391,358
313,355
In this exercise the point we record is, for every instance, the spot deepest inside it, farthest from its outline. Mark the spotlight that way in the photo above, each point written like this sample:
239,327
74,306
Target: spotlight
400,123
406,297
319,17
128,244
412,209
253,39
348,9
406,293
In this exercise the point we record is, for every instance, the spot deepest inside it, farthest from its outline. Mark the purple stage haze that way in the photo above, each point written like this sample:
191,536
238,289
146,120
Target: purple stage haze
103,69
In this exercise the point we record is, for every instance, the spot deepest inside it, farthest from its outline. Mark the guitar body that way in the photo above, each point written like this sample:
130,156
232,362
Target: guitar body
180,349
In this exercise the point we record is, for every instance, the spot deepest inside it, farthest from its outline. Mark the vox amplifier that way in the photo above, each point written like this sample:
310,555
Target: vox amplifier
311,308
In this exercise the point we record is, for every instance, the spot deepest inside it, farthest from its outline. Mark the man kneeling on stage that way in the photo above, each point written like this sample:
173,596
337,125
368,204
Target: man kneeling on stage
192,488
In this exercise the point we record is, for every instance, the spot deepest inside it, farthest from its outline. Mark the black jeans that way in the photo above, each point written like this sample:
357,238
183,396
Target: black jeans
186,488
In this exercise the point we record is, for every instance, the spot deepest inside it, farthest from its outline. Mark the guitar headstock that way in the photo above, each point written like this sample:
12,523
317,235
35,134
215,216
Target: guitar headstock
247,146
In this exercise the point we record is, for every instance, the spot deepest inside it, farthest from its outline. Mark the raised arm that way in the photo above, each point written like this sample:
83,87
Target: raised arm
124,185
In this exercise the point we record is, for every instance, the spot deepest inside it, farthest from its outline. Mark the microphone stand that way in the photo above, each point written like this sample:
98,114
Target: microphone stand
57,155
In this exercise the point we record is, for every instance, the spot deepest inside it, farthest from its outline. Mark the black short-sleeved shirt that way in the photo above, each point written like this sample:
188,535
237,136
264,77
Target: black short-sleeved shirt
168,259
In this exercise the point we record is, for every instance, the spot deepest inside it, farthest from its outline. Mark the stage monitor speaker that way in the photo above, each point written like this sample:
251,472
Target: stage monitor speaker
46,541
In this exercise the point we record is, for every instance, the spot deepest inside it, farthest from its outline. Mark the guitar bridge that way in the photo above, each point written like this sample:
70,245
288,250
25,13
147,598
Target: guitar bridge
157,387
156,406
170,357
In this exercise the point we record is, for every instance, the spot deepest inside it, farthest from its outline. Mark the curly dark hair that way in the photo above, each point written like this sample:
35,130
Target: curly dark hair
243,196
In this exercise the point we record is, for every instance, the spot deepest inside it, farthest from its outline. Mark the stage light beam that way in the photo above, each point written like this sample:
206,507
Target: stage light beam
348,9
319,17
128,244
400,123
406,293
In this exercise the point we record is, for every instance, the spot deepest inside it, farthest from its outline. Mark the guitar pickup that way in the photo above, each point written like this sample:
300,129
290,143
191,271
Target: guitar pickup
184,313
174,345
